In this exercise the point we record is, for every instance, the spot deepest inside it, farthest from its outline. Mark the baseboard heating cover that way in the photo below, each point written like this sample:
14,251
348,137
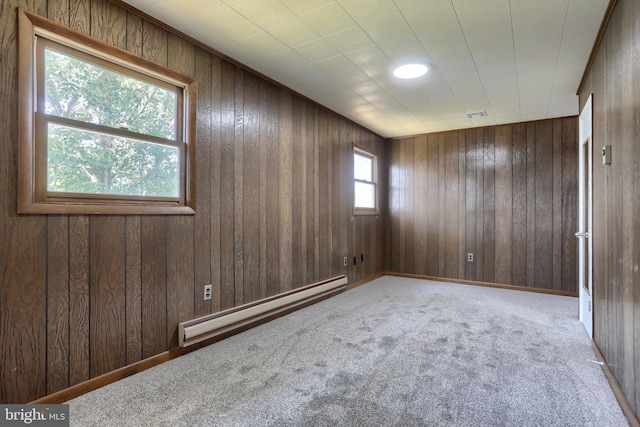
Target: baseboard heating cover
209,326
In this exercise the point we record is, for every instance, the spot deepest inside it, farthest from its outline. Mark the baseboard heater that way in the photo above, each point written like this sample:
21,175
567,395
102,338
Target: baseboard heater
206,327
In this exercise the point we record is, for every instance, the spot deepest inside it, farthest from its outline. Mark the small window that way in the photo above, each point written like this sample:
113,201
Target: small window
365,190
105,132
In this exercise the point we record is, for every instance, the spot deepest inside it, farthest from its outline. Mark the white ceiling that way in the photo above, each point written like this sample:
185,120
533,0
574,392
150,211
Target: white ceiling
518,60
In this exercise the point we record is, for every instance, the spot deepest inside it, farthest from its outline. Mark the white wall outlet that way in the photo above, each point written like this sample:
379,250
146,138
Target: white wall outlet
207,292
470,257
345,261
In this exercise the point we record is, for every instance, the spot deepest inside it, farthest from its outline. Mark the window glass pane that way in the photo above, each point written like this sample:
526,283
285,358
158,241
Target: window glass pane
365,195
362,167
82,161
86,92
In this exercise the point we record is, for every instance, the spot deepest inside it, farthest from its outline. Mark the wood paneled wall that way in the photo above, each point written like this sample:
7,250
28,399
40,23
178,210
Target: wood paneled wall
84,295
614,81
507,194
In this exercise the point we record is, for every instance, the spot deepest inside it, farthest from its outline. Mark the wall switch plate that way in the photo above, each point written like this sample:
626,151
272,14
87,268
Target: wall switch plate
207,292
470,257
606,155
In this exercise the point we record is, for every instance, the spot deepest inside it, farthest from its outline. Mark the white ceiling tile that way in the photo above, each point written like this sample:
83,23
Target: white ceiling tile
328,19
144,4
516,59
233,25
263,43
294,32
317,50
292,58
213,9
233,3
349,39
299,7
265,13
386,27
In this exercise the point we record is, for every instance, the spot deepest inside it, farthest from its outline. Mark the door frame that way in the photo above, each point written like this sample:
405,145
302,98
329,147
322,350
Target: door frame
584,233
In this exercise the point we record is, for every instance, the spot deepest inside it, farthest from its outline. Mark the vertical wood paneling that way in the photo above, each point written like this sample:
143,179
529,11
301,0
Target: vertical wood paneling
273,196
310,154
433,222
489,207
108,23
203,222
323,223
569,203
334,196
344,166
78,299
627,186
543,246
29,325
180,236
57,303
450,213
298,245
480,209
215,173
462,198
485,195
180,272
634,248
519,206
58,11
394,204
612,79
80,15
401,178
421,205
23,249
531,206
154,285
89,294
285,166
615,198
133,287
227,186
556,256
133,231
349,224
251,179
442,212
470,207
107,294
238,188
408,209
263,194
503,204
153,243
107,284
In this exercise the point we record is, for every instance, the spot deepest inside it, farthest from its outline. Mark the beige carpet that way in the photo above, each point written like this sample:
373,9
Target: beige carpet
393,352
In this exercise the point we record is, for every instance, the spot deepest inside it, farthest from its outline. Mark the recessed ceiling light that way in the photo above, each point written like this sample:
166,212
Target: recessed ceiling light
410,71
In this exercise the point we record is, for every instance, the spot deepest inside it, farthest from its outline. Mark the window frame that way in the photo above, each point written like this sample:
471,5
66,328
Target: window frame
35,33
363,151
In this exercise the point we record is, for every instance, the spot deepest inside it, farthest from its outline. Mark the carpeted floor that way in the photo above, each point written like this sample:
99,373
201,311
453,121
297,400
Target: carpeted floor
393,352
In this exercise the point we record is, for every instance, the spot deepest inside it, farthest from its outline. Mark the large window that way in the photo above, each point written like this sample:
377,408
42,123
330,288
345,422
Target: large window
365,186
104,132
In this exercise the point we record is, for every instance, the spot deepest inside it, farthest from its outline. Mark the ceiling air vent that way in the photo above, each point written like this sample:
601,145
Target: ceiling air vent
477,114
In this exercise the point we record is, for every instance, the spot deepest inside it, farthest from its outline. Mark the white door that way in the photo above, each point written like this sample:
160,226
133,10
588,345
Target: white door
585,218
